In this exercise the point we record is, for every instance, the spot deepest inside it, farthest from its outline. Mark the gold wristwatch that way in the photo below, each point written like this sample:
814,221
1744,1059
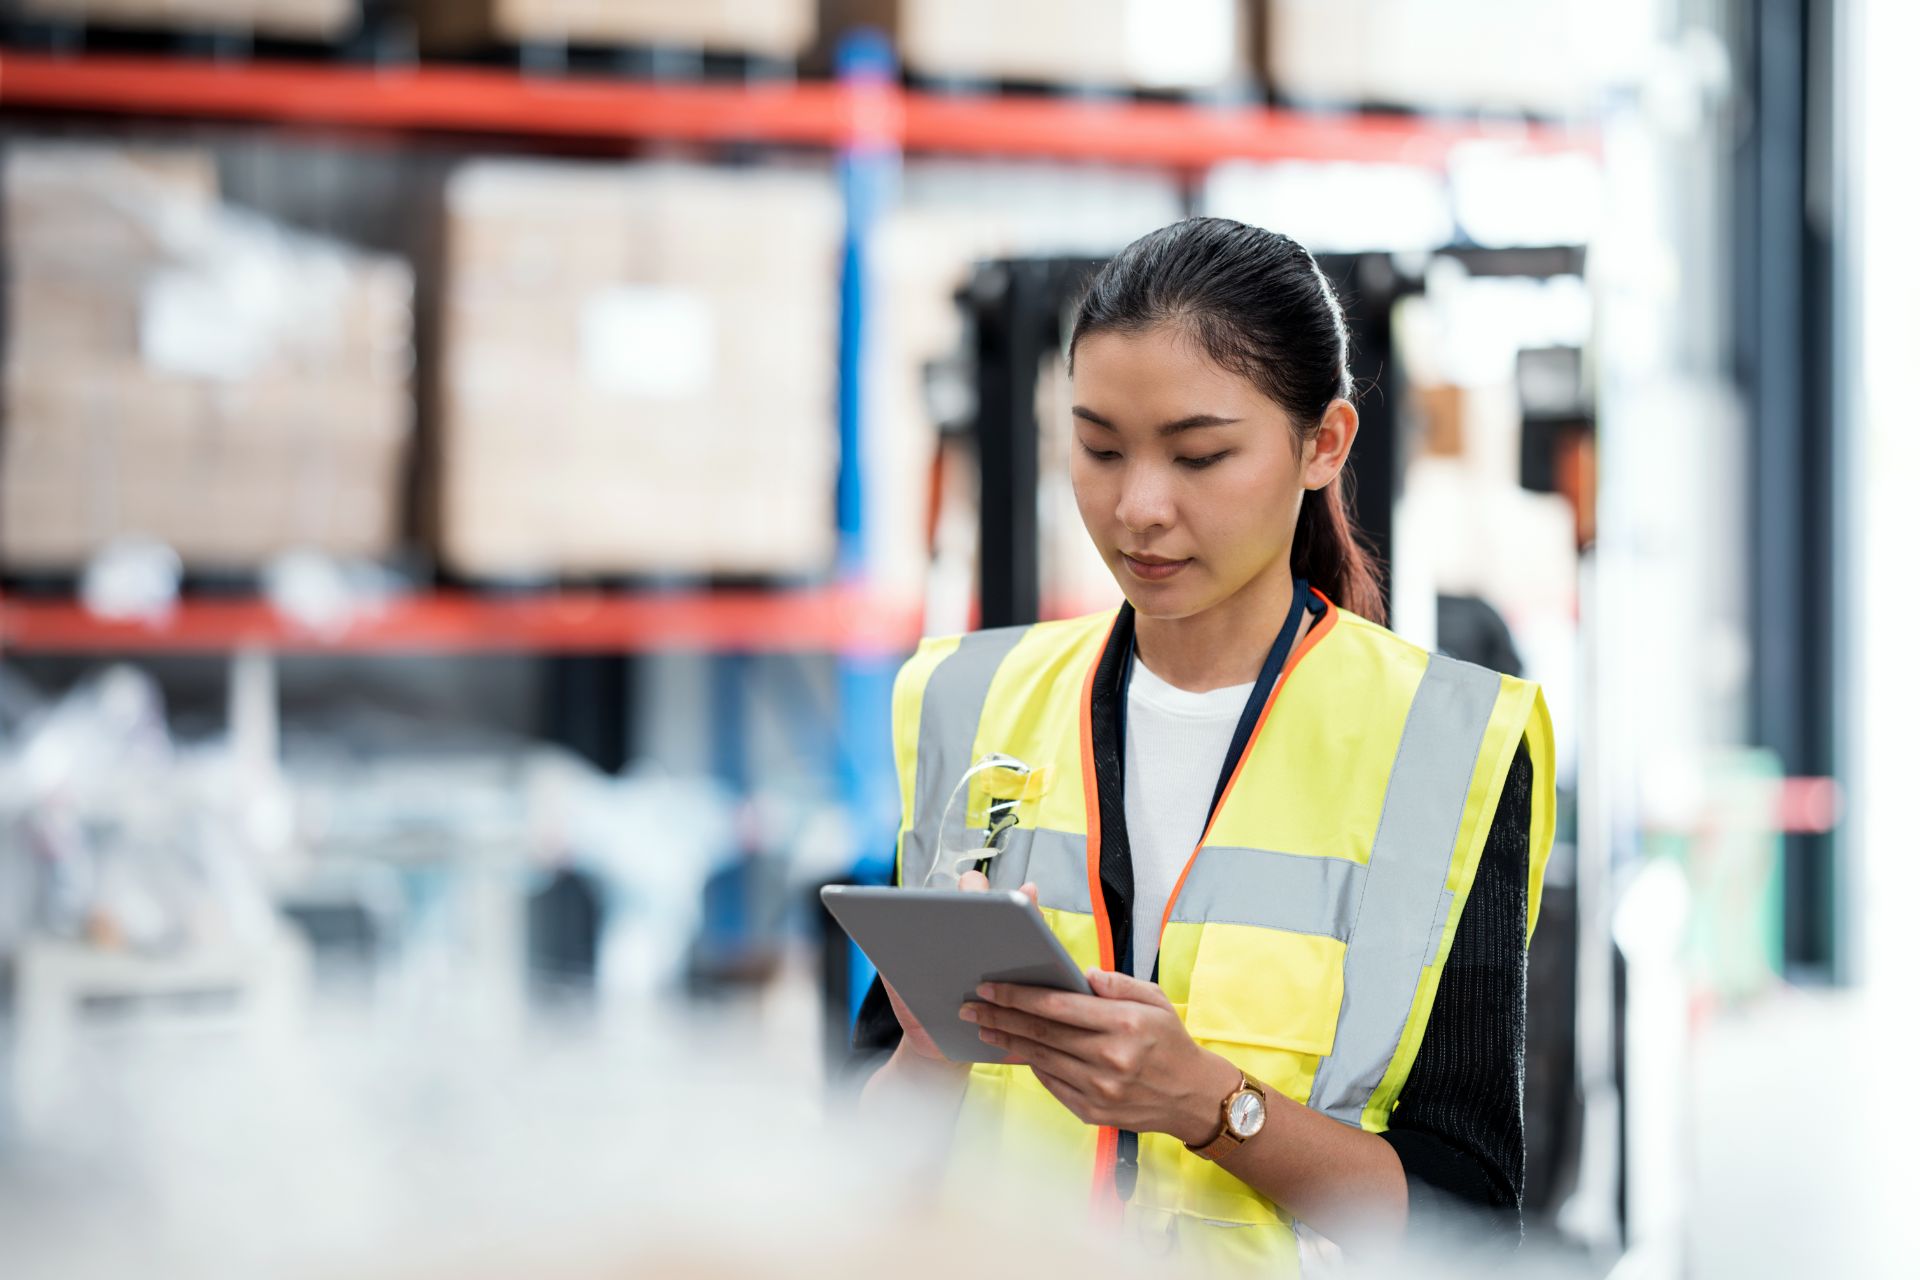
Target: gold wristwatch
1242,1114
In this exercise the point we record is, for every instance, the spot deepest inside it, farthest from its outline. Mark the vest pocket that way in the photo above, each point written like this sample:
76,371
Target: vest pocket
1267,1000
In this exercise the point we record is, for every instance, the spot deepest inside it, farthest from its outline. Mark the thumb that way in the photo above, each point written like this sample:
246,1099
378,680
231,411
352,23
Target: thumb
1032,891
1120,986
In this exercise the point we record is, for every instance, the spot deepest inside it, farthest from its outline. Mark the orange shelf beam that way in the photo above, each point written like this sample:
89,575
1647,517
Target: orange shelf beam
468,100
828,620
1183,136
453,99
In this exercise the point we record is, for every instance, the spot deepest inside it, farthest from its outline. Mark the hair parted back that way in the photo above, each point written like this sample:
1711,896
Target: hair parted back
1258,305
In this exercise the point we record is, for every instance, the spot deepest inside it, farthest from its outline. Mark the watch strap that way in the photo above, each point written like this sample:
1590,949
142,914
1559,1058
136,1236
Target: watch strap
1223,1142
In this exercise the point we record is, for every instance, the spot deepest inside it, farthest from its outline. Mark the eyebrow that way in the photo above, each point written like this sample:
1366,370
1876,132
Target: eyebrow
1192,422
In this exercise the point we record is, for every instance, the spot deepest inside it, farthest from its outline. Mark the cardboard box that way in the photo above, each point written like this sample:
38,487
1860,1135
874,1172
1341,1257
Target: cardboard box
66,319
191,373
89,212
1152,44
638,371
767,28
227,476
309,19
1471,55
75,447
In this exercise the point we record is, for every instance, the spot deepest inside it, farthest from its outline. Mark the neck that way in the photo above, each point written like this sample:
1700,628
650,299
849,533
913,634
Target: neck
1224,645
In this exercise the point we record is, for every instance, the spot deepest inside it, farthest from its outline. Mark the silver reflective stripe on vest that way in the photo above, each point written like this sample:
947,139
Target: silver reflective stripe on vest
1056,862
1008,868
1057,865
1290,891
1406,878
950,710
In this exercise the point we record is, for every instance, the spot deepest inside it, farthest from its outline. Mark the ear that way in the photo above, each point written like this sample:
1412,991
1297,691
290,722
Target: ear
1327,448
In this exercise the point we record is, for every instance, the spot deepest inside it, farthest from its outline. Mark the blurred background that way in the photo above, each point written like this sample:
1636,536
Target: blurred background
470,470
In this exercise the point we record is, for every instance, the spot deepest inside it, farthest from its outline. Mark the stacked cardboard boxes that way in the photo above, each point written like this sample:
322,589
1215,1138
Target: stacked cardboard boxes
1148,44
769,28
1455,57
181,370
293,19
638,371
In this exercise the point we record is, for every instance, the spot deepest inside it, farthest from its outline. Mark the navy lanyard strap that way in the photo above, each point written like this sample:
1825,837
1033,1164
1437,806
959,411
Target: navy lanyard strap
1262,689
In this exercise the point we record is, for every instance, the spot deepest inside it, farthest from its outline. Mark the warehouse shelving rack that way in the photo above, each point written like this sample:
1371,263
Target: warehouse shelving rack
862,115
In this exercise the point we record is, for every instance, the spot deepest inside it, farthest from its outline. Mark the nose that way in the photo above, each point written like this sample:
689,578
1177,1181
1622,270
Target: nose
1146,499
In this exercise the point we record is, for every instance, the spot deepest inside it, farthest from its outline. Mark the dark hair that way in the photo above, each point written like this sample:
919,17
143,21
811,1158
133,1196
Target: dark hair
1259,305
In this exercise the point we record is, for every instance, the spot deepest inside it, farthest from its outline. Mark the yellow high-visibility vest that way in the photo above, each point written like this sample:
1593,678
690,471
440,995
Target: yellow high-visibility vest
1305,939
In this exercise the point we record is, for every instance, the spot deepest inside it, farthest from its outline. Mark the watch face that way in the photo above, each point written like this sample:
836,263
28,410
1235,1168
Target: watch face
1247,1113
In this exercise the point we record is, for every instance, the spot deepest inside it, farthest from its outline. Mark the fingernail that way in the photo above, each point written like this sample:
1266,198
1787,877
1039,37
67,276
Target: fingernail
990,1037
986,991
969,1014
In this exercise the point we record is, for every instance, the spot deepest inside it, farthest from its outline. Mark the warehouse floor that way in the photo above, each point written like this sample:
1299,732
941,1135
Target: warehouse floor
1802,1143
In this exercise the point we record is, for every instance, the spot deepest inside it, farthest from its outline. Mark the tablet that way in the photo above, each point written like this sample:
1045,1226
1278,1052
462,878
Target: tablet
936,946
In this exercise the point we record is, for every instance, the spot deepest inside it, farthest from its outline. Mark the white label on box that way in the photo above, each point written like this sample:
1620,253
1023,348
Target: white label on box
647,342
192,325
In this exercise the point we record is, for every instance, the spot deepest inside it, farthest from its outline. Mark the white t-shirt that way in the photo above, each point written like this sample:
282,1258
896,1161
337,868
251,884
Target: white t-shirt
1176,742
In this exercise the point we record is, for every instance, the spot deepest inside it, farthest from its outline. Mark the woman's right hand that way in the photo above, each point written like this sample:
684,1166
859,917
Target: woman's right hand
914,1037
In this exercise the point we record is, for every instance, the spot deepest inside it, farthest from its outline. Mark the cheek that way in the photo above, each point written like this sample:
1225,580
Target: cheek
1091,490
1242,515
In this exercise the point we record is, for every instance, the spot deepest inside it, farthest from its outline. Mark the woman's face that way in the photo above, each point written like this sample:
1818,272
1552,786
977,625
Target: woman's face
1188,477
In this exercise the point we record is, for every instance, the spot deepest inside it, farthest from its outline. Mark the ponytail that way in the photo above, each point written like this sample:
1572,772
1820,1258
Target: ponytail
1330,555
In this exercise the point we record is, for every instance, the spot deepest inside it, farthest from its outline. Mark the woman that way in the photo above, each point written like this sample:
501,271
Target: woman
1299,856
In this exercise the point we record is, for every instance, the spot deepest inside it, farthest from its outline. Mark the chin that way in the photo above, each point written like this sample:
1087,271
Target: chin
1162,604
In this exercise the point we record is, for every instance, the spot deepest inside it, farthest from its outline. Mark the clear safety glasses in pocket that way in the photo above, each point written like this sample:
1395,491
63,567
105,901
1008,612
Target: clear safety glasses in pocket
990,798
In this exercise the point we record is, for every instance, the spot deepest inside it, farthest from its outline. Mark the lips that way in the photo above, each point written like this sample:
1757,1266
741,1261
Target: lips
1152,568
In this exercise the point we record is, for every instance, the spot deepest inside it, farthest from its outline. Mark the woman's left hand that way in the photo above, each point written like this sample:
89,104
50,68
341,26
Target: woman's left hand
1120,1057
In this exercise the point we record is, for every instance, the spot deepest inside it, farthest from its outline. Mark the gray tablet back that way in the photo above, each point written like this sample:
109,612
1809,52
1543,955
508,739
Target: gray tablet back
937,945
